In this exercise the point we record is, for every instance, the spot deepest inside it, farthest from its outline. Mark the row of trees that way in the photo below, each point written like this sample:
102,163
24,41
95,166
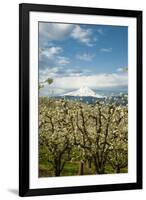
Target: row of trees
73,131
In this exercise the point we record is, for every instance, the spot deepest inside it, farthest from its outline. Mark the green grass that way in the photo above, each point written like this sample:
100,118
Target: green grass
109,170
72,169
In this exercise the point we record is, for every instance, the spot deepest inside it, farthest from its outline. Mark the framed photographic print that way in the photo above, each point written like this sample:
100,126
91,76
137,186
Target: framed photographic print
80,100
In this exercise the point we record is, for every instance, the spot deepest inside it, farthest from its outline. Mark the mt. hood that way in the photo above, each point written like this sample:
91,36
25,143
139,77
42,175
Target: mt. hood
83,92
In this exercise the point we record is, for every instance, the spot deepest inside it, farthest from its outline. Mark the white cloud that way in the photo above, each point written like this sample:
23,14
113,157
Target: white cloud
122,69
92,81
48,73
50,90
51,57
82,35
60,71
51,52
100,31
53,31
59,31
66,83
63,60
85,56
108,50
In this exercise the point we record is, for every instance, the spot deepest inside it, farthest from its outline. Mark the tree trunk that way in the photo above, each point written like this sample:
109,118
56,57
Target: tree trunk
89,163
98,167
81,168
57,167
100,170
57,172
118,170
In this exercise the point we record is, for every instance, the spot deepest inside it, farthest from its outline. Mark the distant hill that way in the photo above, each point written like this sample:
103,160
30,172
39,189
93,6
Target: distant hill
120,99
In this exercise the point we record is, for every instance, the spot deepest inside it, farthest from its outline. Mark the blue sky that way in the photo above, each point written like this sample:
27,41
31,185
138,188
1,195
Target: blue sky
77,55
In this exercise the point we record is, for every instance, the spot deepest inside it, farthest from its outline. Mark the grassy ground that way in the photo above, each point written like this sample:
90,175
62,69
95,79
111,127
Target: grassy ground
72,169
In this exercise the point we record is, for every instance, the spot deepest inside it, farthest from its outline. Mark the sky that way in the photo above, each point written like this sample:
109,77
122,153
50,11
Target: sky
76,55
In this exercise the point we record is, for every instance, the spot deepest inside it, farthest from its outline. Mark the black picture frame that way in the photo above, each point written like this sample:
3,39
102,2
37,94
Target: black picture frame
24,107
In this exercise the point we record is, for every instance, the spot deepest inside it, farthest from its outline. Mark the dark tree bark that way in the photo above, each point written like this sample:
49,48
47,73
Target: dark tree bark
81,168
89,163
118,169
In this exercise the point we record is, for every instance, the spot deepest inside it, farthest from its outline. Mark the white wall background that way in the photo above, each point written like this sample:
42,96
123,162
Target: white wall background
9,97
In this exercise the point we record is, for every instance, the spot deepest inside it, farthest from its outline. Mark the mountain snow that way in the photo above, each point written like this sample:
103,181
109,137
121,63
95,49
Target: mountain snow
83,92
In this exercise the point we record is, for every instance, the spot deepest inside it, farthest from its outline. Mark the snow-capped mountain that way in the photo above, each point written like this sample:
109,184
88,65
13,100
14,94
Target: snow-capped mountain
83,92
